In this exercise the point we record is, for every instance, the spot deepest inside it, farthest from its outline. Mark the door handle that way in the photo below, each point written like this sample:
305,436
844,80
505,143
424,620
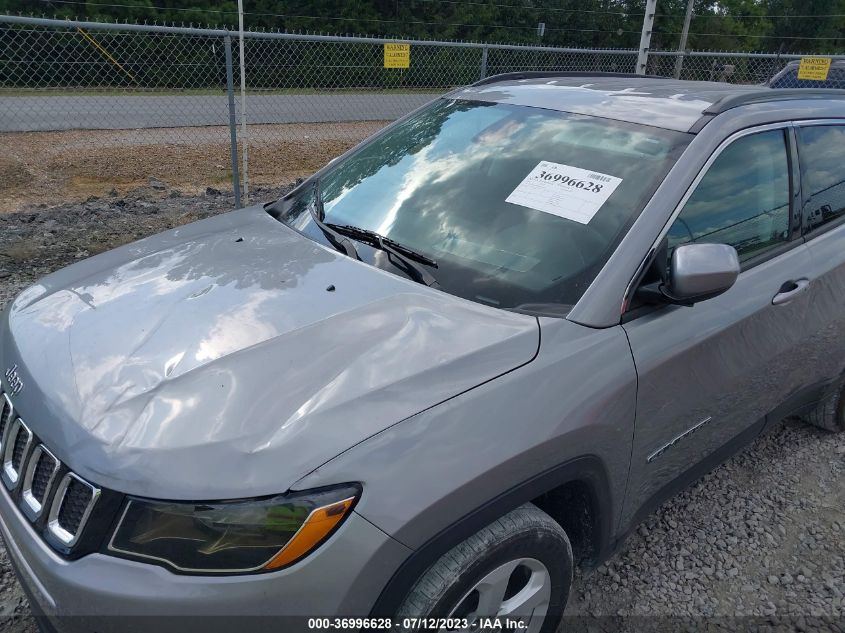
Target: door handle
790,290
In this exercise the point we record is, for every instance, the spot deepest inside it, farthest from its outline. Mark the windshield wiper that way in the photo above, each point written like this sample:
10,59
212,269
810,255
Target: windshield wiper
405,254
337,240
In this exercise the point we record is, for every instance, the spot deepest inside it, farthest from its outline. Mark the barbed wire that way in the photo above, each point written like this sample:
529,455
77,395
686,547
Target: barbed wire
708,15
343,19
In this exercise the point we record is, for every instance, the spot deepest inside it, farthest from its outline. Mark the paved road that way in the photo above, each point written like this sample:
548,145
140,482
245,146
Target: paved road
37,113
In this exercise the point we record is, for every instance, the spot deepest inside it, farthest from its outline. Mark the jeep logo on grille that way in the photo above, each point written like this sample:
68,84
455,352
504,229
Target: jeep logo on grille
15,383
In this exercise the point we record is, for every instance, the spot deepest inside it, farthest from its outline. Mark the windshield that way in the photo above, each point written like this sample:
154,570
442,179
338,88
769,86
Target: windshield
516,205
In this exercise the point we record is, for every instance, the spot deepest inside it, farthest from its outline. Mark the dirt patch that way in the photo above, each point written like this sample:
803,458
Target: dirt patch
39,240
14,176
72,166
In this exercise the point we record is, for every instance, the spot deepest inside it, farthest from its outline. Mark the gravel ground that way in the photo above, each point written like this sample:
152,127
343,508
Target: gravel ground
758,544
761,538
74,165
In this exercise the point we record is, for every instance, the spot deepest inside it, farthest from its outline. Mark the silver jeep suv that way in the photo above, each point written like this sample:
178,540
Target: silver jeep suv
466,356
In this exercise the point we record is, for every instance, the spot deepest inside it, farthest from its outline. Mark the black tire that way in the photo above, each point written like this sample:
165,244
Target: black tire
525,534
829,414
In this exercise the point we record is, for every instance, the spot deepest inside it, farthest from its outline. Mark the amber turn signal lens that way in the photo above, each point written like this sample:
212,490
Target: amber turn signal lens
316,527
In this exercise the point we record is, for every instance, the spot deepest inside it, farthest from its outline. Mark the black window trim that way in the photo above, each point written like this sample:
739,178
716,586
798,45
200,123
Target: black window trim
795,205
803,169
795,239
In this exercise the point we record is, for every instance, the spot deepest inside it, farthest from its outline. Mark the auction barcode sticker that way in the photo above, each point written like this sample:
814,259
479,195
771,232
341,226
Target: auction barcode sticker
563,190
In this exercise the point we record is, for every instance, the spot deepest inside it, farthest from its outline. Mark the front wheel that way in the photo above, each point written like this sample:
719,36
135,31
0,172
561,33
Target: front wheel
517,568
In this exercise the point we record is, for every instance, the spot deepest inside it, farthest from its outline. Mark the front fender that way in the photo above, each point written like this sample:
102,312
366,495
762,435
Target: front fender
453,468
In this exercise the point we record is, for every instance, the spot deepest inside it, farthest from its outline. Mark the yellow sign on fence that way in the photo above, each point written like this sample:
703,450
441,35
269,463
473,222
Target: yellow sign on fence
814,68
397,55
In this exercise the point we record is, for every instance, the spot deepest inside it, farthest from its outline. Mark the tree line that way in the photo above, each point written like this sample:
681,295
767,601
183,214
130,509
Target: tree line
787,26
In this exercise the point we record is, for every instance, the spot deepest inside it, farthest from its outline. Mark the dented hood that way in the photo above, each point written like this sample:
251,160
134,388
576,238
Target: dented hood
213,361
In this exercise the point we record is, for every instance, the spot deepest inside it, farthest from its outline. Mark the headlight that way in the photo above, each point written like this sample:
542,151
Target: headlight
231,537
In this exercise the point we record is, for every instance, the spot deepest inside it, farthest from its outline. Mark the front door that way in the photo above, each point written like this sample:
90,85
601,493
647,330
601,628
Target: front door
708,373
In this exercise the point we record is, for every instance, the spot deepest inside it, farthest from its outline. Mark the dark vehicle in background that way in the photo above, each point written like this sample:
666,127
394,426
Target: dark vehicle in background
788,77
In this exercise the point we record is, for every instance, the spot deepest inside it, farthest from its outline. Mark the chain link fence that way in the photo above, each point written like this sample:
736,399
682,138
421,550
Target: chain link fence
738,68
307,97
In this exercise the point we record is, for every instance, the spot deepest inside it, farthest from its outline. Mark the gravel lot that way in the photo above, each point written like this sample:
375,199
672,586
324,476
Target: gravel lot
72,166
758,544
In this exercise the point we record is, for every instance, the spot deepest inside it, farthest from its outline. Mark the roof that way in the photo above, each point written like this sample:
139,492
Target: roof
667,103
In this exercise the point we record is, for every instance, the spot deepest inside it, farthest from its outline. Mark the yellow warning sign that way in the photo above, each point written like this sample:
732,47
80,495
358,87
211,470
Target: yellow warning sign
814,68
397,55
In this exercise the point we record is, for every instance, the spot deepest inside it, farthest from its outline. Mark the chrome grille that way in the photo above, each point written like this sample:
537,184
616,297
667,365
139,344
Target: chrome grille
45,467
40,473
18,440
24,437
75,498
5,415
32,473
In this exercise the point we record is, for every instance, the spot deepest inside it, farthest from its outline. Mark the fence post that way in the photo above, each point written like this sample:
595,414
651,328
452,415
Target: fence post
682,46
483,73
233,130
679,64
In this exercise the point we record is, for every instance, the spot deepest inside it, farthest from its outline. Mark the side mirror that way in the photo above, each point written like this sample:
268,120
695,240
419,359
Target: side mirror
697,272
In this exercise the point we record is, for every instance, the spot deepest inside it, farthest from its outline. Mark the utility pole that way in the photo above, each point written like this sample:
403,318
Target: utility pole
645,38
679,60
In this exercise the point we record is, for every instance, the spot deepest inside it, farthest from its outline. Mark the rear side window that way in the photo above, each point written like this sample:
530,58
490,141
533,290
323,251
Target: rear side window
823,173
742,200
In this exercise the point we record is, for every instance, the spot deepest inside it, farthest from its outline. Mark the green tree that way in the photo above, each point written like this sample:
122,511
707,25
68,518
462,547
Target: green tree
746,25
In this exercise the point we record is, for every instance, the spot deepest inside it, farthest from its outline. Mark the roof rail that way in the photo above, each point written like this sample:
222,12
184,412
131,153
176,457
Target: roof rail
542,74
768,95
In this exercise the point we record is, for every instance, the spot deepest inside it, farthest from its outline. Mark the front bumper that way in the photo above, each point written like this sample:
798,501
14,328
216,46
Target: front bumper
101,593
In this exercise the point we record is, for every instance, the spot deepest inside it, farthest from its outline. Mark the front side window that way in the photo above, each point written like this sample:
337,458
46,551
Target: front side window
742,200
822,150
516,205
296,211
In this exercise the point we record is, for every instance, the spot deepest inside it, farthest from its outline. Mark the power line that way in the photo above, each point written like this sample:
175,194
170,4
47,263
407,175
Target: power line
275,15
342,19
749,16
625,13
526,8
439,23
456,2
774,37
133,6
